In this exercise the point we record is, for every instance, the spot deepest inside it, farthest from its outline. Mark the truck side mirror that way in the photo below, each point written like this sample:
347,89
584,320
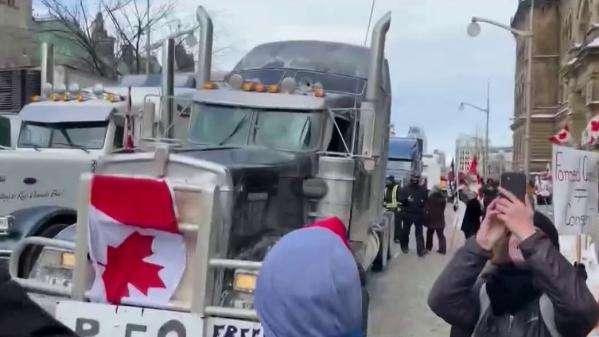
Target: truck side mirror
149,120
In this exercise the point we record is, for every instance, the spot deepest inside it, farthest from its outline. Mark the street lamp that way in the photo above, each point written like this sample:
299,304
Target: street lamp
474,29
487,111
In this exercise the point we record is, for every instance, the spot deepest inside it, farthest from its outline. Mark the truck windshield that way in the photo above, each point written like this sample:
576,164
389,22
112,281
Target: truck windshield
88,135
276,129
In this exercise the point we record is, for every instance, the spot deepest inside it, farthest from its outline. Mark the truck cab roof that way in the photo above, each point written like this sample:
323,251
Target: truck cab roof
93,110
281,101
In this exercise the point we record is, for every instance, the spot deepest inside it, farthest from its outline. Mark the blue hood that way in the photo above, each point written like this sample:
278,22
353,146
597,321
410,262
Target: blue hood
309,286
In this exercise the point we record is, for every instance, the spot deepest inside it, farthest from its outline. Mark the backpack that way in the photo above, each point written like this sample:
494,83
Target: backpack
546,310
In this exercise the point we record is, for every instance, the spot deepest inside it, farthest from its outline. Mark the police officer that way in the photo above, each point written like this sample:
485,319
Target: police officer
392,204
412,198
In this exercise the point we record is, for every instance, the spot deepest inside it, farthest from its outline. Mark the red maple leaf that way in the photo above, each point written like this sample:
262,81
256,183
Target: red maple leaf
125,265
563,135
595,126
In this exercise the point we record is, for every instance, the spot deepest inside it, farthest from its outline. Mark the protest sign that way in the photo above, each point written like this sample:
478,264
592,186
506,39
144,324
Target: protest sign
575,178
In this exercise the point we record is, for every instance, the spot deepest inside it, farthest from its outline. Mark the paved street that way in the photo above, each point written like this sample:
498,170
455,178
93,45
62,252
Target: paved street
398,296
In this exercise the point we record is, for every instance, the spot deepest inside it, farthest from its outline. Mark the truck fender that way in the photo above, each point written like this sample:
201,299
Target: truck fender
32,221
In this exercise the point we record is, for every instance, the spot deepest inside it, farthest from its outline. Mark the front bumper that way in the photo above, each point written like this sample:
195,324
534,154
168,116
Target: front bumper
109,318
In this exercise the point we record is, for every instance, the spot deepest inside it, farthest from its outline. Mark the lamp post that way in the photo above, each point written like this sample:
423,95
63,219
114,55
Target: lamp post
474,30
487,111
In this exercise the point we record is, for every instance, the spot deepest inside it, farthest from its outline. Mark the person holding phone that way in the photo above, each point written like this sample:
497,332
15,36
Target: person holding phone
529,288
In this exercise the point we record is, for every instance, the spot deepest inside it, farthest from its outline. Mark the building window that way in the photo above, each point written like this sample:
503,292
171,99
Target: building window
11,3
567,32
584,20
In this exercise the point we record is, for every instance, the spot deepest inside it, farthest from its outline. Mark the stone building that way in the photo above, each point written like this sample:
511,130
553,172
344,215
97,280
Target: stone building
500,161
565,87
15,31
467,147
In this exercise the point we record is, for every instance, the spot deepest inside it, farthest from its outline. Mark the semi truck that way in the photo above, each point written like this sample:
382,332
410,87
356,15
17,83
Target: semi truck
404,158
297,132
63,133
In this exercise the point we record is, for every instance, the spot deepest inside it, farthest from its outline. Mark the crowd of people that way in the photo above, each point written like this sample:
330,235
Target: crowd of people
414,206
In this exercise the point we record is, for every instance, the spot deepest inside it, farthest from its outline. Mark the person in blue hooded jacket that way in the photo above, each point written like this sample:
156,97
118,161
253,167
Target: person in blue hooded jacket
309,286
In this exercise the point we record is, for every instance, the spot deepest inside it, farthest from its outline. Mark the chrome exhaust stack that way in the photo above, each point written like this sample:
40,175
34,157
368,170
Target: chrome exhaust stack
47,65
167,112
371,119
204,64
377,58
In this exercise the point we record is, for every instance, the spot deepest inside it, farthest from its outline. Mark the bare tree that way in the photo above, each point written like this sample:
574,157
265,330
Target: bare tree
131,20
75,26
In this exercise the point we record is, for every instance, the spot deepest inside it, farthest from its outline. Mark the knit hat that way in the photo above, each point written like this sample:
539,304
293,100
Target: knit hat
309,286
335,225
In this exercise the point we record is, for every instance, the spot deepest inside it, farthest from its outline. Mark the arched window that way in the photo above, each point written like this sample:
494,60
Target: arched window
567,32
584,20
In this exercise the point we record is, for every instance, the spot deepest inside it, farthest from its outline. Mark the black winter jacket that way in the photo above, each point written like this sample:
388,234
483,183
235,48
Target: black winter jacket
455,295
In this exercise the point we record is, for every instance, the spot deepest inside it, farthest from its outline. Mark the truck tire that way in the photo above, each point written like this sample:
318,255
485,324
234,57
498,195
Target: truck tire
30,255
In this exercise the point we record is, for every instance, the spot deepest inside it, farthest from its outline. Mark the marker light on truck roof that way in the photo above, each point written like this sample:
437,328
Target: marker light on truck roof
248,86
259,87
319,92
209,85
273,88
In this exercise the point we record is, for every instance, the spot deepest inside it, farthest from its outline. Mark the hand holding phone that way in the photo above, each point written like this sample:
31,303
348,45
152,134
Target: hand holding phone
492,230
515,183
518,216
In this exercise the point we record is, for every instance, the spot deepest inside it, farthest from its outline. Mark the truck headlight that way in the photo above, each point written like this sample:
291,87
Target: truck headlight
55,267
67,260
245,281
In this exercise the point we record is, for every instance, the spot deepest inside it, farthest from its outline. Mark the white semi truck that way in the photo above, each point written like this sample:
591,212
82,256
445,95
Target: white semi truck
62,134
298,132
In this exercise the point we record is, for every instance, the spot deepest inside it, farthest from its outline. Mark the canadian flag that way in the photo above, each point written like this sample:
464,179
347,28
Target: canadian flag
593,130
137,252
562,137
473,167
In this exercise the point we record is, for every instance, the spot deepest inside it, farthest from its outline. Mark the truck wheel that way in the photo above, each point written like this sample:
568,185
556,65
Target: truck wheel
30,255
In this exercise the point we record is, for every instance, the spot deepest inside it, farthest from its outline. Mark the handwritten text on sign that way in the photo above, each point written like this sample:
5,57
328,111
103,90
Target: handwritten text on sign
575,175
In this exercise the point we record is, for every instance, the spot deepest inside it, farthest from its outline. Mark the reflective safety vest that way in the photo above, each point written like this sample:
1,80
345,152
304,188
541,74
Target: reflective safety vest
392,204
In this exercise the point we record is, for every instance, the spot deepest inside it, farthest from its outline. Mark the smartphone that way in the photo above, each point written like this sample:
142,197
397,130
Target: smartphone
515,183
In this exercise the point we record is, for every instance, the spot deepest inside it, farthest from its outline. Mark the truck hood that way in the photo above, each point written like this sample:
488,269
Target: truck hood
244,158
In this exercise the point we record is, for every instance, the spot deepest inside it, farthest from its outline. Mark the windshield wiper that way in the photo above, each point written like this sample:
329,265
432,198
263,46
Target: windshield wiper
2,147
306,124
74,146
235,130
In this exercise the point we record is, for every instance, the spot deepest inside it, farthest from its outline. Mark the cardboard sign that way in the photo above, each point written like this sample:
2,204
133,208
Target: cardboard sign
575,178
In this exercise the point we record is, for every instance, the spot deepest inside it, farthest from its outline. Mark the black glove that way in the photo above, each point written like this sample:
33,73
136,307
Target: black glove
581,269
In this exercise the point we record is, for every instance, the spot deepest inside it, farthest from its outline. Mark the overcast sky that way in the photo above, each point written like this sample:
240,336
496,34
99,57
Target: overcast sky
434,64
